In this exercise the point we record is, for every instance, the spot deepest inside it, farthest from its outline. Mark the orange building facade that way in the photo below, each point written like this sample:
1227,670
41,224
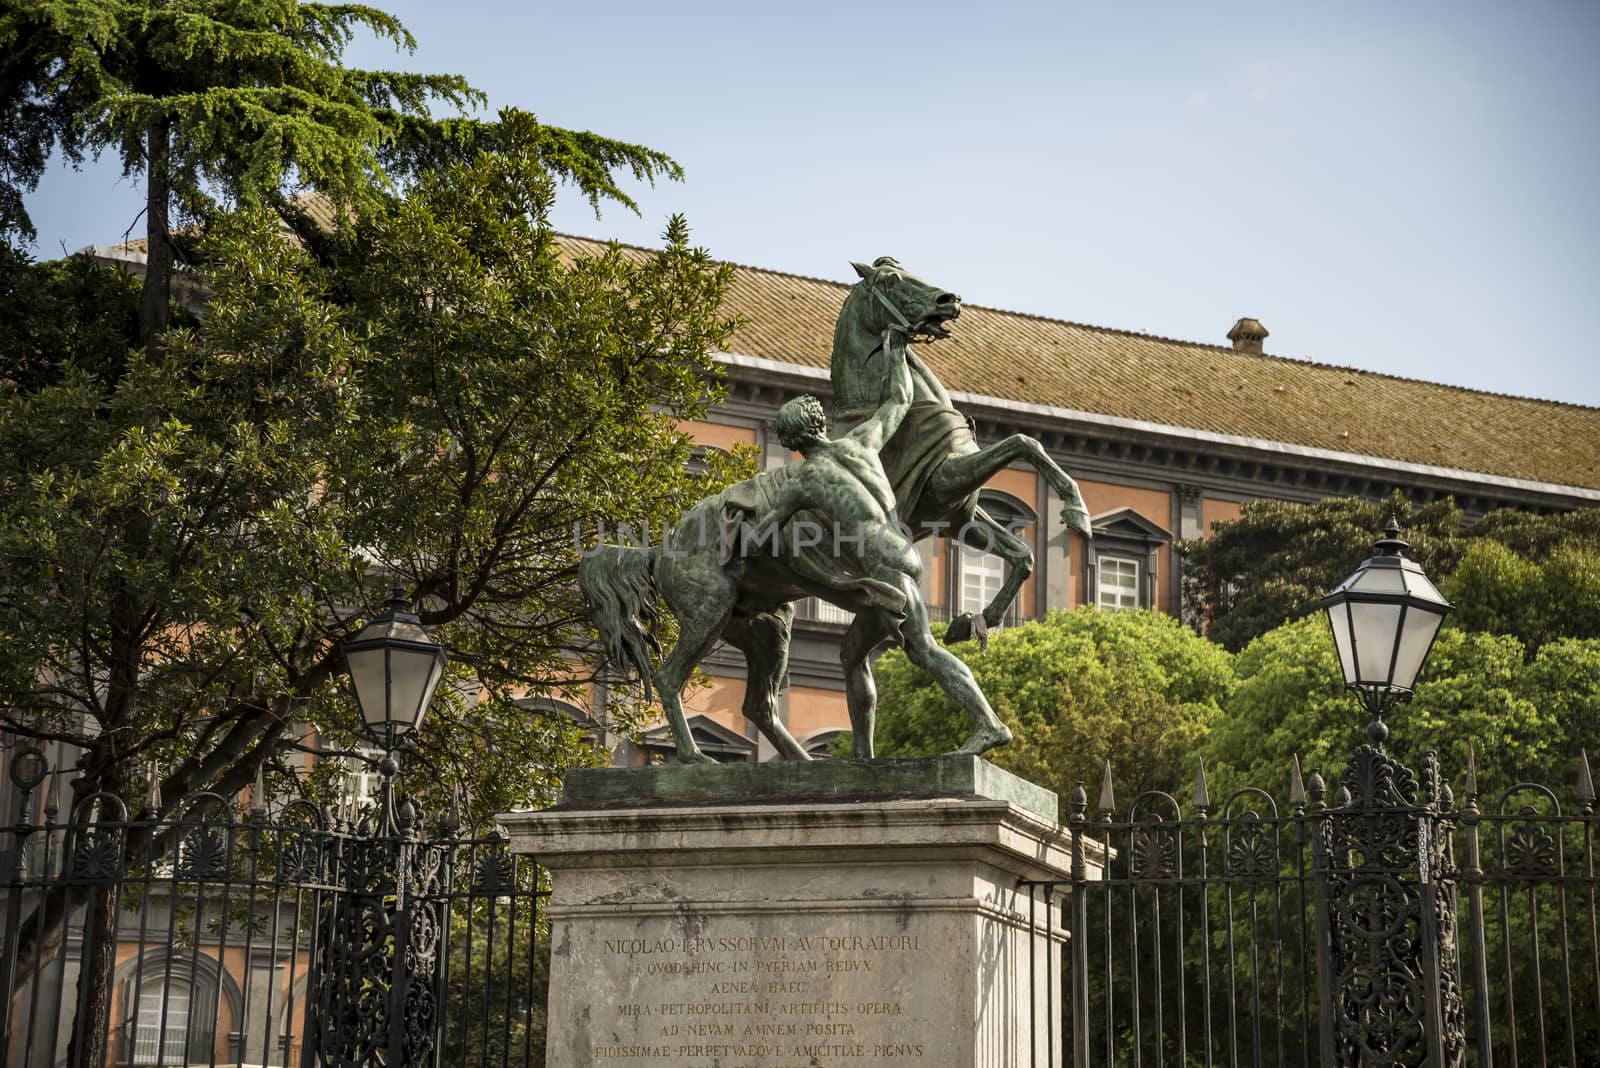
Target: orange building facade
1166,439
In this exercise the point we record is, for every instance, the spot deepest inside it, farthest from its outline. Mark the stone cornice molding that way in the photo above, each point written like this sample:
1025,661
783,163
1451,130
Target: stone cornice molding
1227,462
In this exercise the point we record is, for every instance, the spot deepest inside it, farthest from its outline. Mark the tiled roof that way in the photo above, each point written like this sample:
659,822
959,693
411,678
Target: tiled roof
319,210
1186,384
1029,358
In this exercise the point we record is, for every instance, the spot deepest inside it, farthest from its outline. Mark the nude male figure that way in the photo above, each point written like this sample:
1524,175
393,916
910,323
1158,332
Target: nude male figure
842,485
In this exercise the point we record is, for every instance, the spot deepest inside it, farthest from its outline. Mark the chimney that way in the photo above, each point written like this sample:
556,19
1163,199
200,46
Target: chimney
1247,336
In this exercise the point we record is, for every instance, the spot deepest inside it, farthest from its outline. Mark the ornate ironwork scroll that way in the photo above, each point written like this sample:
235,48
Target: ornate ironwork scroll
377,955
1392,963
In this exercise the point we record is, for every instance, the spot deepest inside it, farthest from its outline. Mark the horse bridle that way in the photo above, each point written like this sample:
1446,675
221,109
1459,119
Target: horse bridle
899,316
902,325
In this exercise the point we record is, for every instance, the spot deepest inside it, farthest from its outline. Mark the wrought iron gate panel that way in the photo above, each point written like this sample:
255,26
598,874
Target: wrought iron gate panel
1531,942
1376,923
265,937
1191,943
377,953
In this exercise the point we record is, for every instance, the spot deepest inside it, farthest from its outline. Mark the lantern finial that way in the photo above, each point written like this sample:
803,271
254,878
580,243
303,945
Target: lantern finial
1391,544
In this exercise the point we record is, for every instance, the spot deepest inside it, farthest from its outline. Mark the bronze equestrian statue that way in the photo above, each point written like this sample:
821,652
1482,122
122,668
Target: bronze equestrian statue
901,464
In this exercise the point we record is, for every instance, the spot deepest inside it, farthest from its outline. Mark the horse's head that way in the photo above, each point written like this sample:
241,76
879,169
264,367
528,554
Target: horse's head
888,296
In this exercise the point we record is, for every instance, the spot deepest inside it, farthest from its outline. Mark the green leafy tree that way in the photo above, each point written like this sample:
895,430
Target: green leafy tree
1539,600
244,103
1522,718
440,397
1532,576
190,510
1077,689
1275,562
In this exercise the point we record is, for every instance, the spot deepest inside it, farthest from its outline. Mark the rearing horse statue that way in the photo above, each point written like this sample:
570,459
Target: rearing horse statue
925,452
934,461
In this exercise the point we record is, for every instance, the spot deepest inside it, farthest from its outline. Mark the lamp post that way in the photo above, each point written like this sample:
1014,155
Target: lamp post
1384,619
395,667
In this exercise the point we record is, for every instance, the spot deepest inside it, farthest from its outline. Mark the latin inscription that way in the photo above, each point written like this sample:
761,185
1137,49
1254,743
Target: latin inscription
757,1001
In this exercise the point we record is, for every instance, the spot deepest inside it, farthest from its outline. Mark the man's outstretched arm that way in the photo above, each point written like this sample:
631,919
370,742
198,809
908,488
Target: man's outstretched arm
896,398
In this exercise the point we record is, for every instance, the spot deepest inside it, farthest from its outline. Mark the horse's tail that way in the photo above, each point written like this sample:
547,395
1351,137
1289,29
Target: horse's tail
616,580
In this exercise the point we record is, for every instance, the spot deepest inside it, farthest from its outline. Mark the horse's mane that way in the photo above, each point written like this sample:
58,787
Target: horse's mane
849,313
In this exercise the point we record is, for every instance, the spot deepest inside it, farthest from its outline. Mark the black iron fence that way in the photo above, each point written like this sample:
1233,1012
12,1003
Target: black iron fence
1379,921
224,935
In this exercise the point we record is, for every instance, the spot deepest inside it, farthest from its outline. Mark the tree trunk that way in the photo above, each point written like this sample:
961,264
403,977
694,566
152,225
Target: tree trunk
97,957
91,1022
156,298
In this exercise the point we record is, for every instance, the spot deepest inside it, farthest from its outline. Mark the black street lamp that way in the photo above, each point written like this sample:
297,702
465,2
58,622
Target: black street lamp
395,667
1384,619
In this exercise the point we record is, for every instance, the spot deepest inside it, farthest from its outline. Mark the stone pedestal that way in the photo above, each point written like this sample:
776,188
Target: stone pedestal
819,915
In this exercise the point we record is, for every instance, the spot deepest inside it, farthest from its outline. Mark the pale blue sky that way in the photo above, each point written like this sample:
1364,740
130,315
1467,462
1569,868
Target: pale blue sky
1411,188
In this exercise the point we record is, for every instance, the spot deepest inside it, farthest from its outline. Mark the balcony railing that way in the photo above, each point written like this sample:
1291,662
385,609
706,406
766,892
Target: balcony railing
815,610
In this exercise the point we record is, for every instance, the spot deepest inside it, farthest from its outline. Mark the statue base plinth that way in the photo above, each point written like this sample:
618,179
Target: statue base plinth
788,930
804,781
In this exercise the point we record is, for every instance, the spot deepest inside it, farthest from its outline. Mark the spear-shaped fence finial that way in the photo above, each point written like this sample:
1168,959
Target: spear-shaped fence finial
1297,785
258,794
1108,800
1585,782
1202,796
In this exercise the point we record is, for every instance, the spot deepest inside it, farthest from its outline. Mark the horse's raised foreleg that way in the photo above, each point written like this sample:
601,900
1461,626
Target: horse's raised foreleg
861,696
764,640
989,536
960,475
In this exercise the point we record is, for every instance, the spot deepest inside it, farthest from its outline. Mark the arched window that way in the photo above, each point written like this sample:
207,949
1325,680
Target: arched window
701,457
161,1023
820,745
977,576
174,1005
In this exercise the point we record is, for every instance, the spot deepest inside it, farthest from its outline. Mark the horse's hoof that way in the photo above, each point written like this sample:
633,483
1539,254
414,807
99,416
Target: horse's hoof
960,629
1075,518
